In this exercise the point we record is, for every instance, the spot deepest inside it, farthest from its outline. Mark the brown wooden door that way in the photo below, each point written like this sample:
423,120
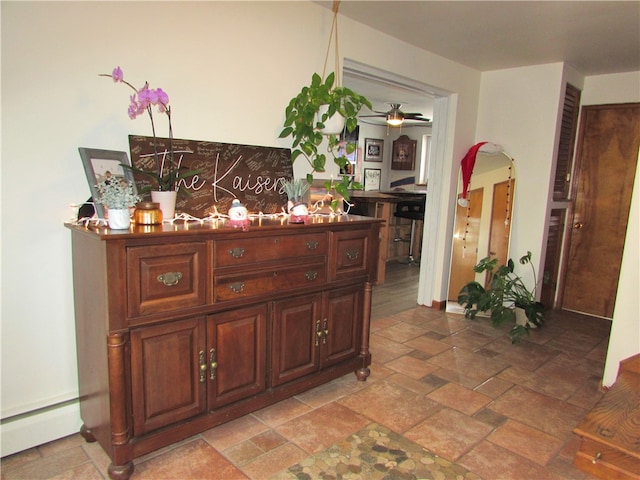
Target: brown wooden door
501,221
341,325
607,154
296,336
236,354
166,381
464,255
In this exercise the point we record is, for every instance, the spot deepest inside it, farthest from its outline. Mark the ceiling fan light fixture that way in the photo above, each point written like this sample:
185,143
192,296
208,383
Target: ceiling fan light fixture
395,118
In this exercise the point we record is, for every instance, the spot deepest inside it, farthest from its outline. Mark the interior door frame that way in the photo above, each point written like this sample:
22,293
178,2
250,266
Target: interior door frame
435,171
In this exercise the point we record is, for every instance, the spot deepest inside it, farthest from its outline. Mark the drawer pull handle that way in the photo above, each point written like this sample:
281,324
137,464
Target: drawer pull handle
352,253
311,275
170,279
213,363
203,366
237,252
237,287
326,331
596,458
318,333
312,245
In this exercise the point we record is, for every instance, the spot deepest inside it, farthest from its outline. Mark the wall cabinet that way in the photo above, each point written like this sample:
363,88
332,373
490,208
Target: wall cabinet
183,327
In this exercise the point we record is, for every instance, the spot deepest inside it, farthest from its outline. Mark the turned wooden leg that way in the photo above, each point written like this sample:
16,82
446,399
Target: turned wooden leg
87,434
120,472
363,373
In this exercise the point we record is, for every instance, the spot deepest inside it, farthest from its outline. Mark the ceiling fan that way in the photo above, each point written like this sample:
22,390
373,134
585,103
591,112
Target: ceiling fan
396,117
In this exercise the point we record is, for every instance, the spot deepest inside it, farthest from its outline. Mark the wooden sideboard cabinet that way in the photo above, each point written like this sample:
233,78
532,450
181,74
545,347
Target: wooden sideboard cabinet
183,327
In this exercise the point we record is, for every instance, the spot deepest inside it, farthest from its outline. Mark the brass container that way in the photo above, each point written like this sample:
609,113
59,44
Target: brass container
147,213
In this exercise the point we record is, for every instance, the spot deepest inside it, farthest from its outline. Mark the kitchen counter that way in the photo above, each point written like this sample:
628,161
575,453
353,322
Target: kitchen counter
396,232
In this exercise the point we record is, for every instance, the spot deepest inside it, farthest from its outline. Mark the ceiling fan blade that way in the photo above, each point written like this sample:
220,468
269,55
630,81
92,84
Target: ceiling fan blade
382,115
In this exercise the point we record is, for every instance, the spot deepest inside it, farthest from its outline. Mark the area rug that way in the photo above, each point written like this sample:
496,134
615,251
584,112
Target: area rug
375,453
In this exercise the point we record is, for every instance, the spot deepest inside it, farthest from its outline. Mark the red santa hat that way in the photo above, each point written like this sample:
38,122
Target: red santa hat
468,162
466,166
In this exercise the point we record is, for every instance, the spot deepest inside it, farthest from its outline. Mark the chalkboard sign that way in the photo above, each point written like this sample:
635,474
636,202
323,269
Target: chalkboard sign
252,174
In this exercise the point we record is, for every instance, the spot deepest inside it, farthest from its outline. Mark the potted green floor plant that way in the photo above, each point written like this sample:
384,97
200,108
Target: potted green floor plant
505,293
307,115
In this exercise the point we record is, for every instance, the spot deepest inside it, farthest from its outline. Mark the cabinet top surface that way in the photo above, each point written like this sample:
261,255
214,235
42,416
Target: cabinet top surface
258,225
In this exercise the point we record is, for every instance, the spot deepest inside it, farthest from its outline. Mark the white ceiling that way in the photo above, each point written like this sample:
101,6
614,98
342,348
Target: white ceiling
595,37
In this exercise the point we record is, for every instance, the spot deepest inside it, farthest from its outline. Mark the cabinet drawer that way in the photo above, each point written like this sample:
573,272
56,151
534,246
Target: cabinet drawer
606,461
166,277
242,251
240,285
350,251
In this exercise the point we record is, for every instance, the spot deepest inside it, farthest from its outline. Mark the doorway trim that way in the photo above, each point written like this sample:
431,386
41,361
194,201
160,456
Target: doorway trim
432,218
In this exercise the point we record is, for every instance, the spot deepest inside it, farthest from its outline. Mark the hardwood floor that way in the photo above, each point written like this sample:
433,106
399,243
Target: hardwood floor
399,291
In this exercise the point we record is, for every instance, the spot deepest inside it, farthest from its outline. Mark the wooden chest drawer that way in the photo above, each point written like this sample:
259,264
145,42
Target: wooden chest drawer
166,277
605,461
350,252
278,279
243,251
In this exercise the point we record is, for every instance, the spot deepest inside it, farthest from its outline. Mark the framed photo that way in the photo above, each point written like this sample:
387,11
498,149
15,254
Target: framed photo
372,178
346,139
373,149
102,164
404,153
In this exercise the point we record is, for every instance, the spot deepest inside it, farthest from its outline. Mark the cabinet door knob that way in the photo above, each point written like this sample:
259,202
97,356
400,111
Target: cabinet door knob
311,275
237,287
203,366
170,279
318,333
312,245
213,363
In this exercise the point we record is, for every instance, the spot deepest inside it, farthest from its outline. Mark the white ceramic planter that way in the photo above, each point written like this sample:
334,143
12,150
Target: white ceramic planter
333,125
118,219
167,201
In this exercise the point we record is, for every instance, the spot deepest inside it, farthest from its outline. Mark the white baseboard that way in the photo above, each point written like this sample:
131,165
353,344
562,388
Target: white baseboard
27,431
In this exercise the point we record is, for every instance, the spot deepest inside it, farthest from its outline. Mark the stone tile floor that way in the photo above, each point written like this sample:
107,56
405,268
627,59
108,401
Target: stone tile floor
457,388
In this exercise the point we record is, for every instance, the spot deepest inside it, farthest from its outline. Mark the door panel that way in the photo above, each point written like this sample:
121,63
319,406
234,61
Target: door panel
465,243
236,354
502,207
166,381
341,335
294,338
608,144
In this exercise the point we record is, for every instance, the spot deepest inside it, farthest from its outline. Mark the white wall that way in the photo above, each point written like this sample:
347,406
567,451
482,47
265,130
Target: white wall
518,109
624,341
229,68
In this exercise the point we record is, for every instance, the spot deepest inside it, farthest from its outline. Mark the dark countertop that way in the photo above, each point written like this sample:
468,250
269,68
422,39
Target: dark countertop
387,196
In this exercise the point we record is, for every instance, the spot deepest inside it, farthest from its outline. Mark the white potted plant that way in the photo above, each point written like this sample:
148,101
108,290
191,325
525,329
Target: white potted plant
118,196
296,206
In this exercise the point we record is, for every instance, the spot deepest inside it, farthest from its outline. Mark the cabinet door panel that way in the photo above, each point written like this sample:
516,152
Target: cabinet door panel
341,324
237,354
295,340
166,382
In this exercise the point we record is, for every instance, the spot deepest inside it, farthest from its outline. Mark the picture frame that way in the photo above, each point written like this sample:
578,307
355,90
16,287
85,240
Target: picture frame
403,153
372,179
373,149
100,163
347,138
